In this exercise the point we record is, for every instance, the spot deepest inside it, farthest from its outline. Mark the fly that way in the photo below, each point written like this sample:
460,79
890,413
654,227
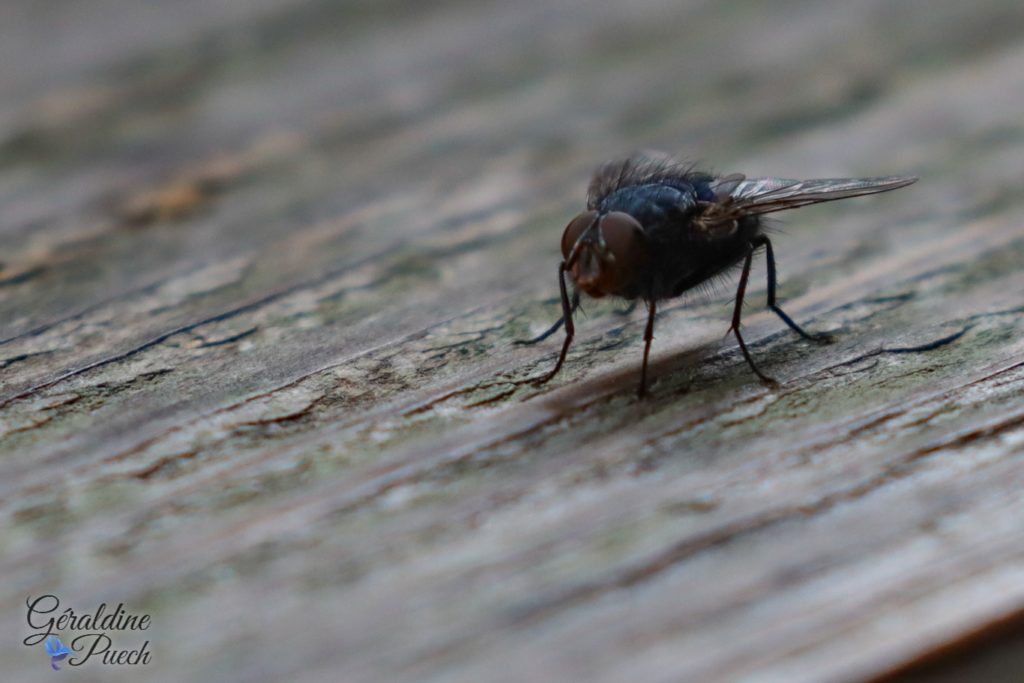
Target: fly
655,228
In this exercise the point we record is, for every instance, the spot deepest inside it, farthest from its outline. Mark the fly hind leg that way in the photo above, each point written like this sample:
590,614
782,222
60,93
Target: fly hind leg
737,314
762,240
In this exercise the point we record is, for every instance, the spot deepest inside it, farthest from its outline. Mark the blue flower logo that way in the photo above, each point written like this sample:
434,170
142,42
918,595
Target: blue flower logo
57,651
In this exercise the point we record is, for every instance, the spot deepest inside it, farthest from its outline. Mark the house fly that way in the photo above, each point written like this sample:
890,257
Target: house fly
655,228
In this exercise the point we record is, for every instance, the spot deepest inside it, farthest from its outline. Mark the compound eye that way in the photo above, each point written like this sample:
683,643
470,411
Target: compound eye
577,226
624,239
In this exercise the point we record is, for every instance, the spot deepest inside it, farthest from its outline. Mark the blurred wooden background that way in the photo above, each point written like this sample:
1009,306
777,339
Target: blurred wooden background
262,264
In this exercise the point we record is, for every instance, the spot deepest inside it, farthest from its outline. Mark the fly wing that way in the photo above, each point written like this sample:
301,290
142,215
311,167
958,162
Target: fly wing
726,187
737,196
765,195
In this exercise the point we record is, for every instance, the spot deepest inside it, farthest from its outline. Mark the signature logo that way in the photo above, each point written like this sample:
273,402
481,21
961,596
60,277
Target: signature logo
93,636
57,651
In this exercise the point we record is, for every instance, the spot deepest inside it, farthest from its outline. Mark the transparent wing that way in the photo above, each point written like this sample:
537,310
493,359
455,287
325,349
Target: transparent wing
726,187
765,195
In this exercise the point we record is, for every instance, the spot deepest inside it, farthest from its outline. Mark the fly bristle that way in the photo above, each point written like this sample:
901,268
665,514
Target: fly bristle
639,169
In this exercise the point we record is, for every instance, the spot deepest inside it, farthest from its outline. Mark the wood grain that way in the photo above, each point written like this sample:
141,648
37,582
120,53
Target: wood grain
261,271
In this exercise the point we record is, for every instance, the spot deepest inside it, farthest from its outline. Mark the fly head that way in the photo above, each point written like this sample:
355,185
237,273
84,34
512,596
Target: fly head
605,252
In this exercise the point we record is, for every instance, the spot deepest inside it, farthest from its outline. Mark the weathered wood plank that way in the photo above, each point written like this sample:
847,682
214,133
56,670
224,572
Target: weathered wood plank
260,276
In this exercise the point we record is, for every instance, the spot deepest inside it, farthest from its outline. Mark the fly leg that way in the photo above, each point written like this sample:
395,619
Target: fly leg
821,338
628,310
738,311
648,336
554,328
570,329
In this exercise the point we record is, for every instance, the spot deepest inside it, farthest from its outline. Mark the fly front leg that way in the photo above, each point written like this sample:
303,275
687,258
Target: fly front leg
570,328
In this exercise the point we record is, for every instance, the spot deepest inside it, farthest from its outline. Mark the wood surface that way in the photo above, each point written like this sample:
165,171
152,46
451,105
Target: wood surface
262,266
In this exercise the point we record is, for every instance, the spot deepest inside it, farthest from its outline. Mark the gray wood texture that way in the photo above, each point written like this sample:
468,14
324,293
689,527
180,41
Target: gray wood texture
262,265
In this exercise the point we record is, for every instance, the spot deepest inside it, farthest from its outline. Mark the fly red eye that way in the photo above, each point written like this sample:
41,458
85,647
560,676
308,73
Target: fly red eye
611,257
624,240
577,226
